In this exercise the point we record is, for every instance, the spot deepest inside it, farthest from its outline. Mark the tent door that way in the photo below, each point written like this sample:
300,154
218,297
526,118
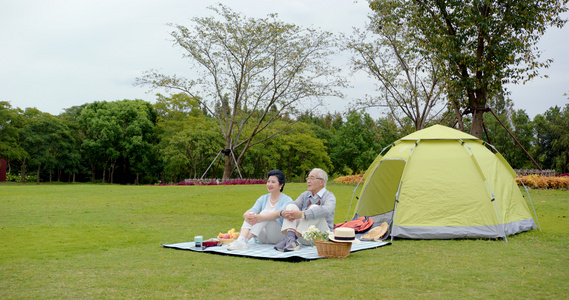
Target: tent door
378,194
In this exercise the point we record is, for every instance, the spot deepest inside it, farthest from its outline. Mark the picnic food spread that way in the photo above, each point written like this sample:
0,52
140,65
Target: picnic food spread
231,234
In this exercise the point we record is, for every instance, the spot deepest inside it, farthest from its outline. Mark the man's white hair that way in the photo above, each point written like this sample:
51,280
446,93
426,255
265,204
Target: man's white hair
321,174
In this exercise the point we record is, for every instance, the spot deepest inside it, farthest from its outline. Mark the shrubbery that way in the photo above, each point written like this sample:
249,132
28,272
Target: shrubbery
544,182
17,177
350,179
531,181
217,182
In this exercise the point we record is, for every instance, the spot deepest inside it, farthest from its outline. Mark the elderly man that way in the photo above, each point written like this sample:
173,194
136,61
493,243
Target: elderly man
313,207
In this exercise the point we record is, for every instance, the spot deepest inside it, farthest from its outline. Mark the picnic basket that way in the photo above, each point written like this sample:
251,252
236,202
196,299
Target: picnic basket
333,250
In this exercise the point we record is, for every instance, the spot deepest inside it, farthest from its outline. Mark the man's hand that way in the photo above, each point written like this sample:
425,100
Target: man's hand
292,215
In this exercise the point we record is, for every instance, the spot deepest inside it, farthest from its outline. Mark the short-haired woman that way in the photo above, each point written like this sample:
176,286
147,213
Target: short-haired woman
263,221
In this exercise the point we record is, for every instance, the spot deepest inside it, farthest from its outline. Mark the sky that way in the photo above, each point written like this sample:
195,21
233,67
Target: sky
61,53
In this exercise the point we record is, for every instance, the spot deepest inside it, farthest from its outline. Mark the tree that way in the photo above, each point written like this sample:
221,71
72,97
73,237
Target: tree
47,140
354,146
11,122
295,153
188,151
409,81
552,131
252,73
117,130
480,44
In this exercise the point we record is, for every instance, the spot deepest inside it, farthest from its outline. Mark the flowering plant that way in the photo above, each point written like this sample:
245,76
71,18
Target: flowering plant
314,234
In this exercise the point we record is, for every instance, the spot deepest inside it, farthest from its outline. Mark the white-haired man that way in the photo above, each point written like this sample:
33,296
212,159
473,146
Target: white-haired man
315,207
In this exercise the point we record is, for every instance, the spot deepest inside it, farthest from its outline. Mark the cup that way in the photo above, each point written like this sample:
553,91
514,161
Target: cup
198,241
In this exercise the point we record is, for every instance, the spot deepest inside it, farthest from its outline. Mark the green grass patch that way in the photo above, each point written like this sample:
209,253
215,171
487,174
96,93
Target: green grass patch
104,241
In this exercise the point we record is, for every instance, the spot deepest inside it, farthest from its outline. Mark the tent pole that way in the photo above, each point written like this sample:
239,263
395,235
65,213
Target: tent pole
465,145
399,186
218,153
235,161
515,140
350,207
353,193
531,202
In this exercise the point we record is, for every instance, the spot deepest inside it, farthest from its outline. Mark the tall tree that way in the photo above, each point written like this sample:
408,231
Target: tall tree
409,82
251,73
47,140
117,130
481,44
355,144
11,122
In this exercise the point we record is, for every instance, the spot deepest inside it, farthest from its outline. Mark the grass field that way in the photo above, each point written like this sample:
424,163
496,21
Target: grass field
104,241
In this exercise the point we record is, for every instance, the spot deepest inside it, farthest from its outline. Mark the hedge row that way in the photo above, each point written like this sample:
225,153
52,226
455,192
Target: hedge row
531,181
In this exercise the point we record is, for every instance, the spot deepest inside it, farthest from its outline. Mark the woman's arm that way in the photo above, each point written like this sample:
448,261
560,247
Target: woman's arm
270,216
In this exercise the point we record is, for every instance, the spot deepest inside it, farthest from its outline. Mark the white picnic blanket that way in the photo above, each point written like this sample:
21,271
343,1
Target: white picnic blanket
267,251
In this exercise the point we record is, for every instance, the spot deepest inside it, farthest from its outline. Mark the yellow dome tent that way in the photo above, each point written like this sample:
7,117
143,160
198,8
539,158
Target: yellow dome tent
441,183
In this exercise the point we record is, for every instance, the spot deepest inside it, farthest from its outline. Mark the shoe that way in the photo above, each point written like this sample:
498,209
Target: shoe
237,245
291,245
280,245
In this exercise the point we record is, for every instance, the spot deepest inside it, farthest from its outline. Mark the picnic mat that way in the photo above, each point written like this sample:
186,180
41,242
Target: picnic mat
266,251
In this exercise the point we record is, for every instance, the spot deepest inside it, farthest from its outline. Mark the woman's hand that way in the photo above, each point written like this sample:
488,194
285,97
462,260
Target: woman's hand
251,217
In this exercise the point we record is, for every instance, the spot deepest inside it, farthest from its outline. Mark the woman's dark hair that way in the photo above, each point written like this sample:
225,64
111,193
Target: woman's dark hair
280,176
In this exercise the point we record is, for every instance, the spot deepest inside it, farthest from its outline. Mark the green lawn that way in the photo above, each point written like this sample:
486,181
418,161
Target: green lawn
104,241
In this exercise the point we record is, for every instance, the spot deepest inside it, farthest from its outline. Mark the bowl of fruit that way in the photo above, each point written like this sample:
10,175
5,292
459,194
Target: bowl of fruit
230,236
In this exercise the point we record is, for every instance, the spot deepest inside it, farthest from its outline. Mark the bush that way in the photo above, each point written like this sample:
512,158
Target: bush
236,181
544,182
531,181
350,179
17,177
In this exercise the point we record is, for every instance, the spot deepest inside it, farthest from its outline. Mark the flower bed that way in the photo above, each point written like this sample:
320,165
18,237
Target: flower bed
350,179
531,181
214,181
544,182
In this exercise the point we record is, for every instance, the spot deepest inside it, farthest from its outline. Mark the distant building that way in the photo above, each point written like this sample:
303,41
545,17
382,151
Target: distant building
3,164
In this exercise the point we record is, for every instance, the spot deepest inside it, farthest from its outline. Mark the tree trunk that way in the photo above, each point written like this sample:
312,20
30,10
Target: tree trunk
23,171
228,169
477,124
92,173
38,175
112,173
50,171
104,173
458,114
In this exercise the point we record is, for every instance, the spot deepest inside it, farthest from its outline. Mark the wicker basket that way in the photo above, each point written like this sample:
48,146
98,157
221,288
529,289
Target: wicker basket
226,241
333,250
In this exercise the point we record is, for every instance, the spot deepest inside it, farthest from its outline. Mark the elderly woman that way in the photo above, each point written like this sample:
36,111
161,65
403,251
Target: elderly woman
263,221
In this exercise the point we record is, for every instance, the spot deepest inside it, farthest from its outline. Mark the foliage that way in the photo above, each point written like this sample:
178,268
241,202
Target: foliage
543,182
314,233
11,121
409,82
478,45
13,177
518,123
351,179
236,181
117,132
252,72
552,139
49,143
295,154
358,135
